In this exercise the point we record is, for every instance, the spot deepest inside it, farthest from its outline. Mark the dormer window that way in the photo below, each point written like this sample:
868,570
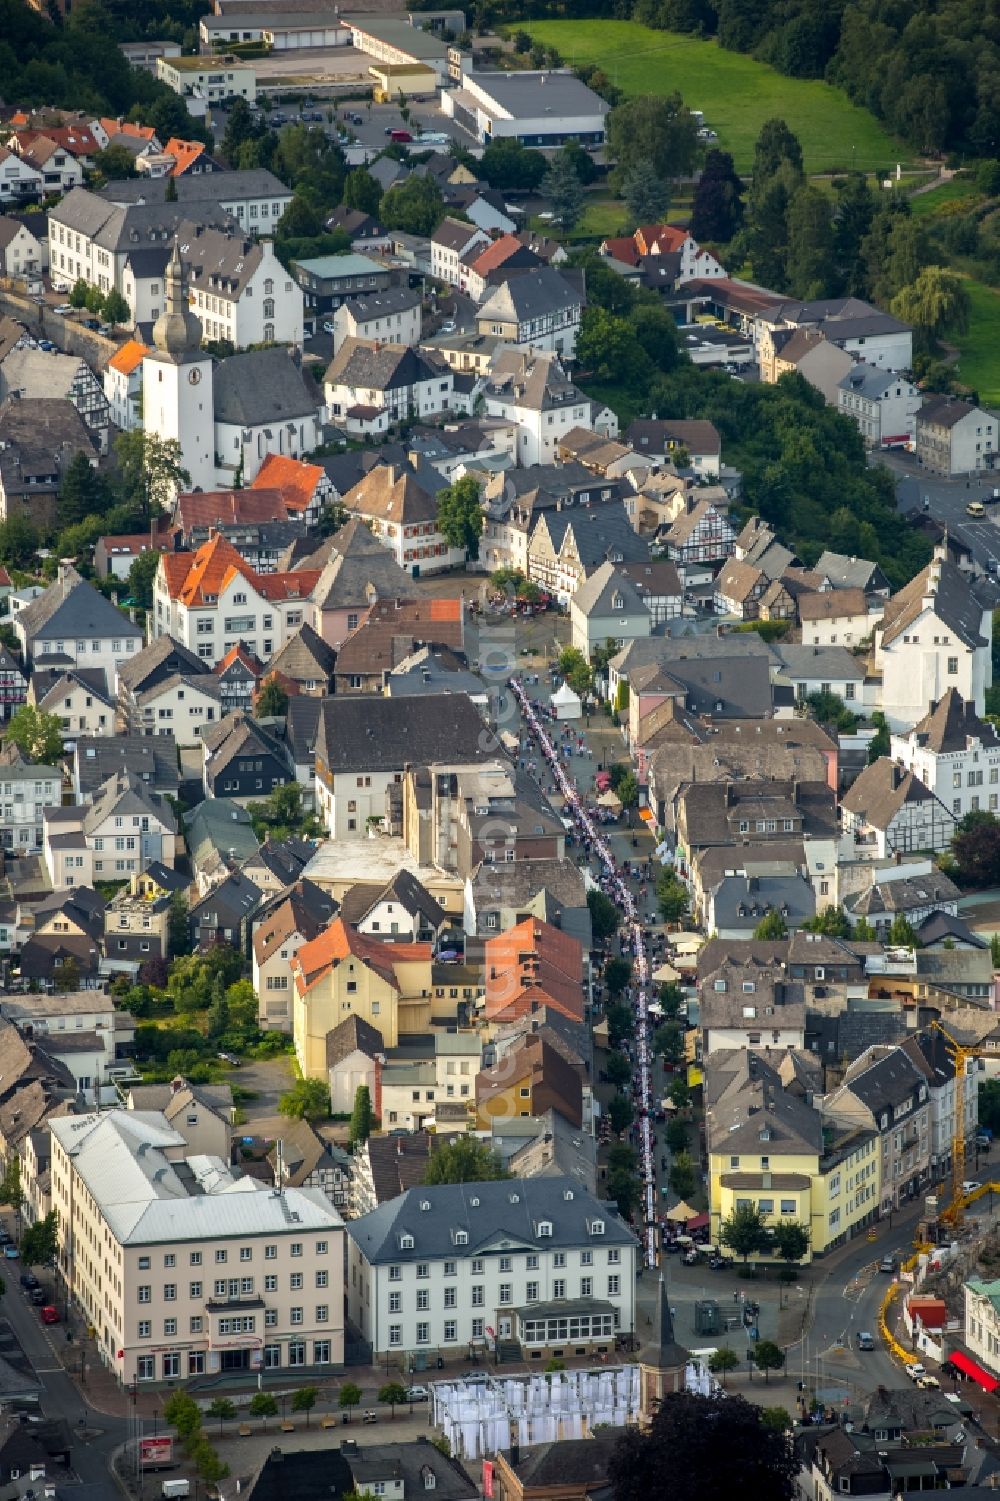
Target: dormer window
597,1227
406,1242
430,1479
461,1237
544,1229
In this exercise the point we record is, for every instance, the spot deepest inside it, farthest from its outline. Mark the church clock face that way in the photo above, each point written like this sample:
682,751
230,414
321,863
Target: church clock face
194,376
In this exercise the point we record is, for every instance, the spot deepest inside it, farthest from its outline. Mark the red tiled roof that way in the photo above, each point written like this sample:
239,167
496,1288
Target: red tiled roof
296,481
495,254
129,357
206,572
244,655
184,153
621,248
201,508
295,585
316,959
533,964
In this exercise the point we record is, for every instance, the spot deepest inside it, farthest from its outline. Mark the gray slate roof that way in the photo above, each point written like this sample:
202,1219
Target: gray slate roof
529,294
381,734
489,1213
70,608
261,386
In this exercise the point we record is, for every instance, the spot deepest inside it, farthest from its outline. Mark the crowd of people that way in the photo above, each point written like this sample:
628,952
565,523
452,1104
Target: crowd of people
555,754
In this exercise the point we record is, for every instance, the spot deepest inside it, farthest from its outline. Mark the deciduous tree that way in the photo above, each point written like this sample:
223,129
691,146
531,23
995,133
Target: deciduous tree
307,1100
657,129
709,1446
464,1160
460,516
743,1232
37,735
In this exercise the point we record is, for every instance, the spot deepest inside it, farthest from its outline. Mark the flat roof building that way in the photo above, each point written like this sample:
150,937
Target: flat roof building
538,109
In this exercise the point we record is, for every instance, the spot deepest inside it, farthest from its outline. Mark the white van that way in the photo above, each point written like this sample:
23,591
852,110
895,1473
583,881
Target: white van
174,1489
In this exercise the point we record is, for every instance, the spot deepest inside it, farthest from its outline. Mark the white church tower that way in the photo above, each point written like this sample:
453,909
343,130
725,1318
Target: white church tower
177,382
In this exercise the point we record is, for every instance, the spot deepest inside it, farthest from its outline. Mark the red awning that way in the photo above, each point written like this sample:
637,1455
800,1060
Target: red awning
698,1223
969,1368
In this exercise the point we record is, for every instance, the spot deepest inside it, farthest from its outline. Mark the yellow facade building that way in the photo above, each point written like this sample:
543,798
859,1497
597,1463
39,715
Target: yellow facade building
770,1148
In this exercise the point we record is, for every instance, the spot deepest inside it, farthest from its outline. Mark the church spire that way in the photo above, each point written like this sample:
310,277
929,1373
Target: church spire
177,332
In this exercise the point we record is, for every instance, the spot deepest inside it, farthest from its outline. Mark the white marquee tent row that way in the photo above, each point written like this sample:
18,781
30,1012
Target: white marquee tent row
616,887
480,1420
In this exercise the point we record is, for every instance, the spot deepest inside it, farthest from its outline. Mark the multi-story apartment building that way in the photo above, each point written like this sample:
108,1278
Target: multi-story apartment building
71,619
539,1262
204,81
883,1090
956,755
239,289
182,1267
26,790
538,309
212,601
934,635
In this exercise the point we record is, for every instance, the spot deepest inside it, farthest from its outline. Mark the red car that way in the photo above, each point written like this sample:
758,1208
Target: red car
50,1314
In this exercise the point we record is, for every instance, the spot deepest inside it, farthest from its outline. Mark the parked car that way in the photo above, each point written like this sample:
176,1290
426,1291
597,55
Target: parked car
50,1314
10,1252
328,326
477,1378
229,1058
38,1296
417,1394
915,1371
63,309
28,1279
448,326
928,1383
47,345
887,1264
970,1186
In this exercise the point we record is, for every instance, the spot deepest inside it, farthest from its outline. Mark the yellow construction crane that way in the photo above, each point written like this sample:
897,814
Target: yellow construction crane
961,1055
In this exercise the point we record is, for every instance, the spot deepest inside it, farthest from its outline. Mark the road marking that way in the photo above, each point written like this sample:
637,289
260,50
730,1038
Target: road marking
48,1370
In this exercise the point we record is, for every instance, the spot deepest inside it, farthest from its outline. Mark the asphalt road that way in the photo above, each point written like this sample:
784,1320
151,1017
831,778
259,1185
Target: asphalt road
47,1348
947,500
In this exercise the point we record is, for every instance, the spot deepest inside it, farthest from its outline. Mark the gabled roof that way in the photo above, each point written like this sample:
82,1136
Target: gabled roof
359,570
70,608
338,942
369,365
596,595
950,724
296,480
352,1035
162,654
303,908
304,658
261,386
528,295
199,578
129,357
212,508
238,735
942,583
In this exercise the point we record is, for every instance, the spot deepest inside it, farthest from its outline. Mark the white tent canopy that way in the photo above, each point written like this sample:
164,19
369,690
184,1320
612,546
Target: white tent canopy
566,703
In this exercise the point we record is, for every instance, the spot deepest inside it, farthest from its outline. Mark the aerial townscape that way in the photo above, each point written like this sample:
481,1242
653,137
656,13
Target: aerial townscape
499,750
